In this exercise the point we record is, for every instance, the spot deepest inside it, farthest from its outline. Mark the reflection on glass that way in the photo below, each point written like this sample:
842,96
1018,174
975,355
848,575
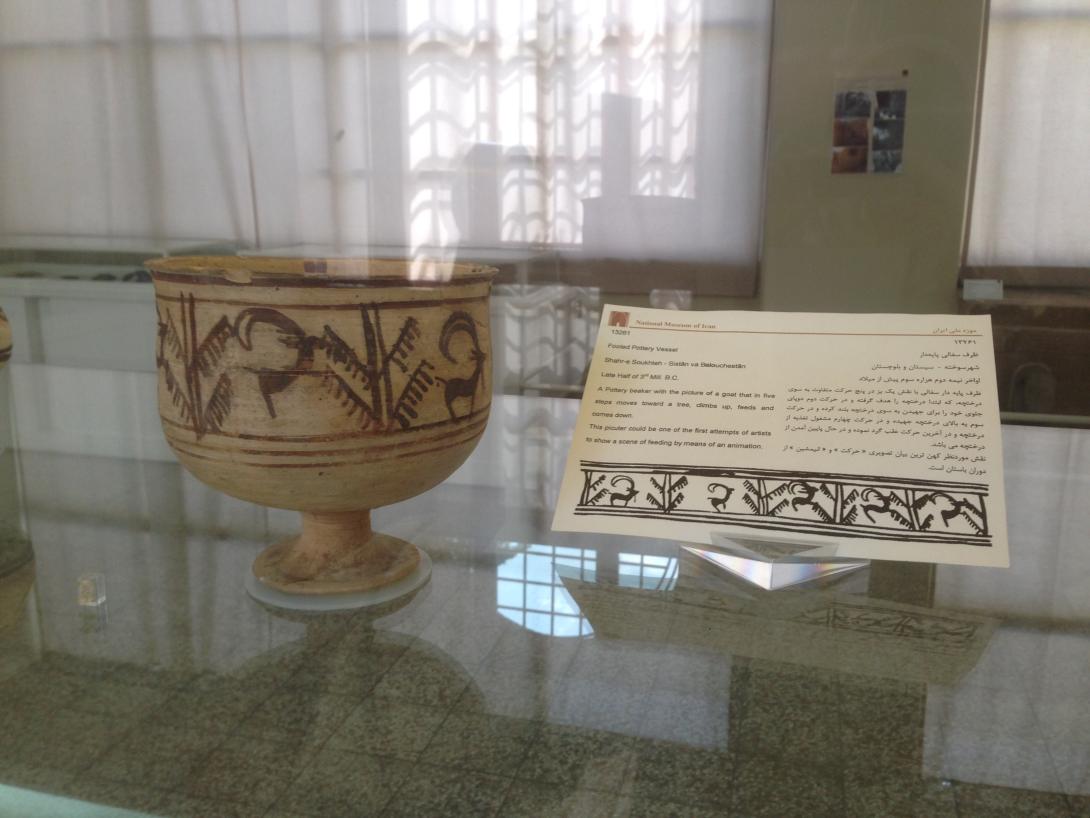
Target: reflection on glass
547,335
529,593
646,571
488,77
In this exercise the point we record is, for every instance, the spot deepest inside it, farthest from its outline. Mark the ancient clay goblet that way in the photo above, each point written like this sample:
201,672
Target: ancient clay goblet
5,339
330,387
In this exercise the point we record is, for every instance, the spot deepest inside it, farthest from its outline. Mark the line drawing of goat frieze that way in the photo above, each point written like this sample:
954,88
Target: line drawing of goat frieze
719,502
626,495
948,509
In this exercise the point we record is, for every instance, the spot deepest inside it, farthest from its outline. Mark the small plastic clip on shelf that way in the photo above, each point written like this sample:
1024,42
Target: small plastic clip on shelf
91,590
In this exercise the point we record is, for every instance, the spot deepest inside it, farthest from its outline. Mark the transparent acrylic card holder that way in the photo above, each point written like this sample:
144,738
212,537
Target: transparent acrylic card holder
773,563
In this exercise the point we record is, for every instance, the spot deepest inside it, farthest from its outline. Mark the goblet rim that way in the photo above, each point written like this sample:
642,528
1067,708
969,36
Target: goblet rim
316,271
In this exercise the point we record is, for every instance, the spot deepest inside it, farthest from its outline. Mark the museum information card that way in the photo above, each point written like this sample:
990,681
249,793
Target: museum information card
878,433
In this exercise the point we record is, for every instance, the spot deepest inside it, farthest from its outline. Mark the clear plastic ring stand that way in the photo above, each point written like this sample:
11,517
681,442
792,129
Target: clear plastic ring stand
340,602
773,563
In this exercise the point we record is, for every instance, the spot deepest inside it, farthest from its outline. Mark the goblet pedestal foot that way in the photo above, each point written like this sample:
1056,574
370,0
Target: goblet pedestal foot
337,562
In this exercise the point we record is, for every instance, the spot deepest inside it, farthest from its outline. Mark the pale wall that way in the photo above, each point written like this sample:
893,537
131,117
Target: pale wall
869,242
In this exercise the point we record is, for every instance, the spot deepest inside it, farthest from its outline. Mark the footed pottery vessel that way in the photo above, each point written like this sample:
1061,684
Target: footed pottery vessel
5,339
330,387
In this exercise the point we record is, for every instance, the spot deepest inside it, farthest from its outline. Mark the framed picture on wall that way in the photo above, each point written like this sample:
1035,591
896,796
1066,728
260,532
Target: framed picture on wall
869,129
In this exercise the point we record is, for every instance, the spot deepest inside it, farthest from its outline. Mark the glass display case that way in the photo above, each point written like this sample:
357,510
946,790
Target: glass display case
537,672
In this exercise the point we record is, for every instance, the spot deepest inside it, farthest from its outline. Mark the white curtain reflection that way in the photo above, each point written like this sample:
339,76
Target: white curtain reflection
414,124
1030,198
531,77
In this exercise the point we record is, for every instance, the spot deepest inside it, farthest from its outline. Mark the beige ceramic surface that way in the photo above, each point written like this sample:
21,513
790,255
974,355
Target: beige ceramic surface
327,386
5,339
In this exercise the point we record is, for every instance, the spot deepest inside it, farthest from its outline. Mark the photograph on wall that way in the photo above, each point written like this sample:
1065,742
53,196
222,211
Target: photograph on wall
869,130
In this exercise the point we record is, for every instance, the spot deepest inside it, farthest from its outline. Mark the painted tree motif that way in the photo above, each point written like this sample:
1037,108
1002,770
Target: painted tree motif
670,495
592,493
197,359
